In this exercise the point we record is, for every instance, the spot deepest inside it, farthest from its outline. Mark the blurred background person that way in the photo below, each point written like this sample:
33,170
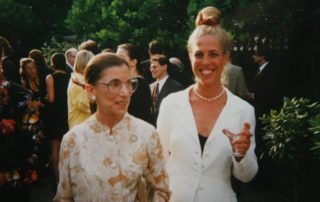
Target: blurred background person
164,84
70,56
9,67
140,104
78,101
57,84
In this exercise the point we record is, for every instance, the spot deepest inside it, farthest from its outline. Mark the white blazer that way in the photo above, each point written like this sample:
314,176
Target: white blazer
206,177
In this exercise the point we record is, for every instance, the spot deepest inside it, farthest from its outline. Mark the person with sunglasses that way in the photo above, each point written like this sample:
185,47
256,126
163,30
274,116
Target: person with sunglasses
104,157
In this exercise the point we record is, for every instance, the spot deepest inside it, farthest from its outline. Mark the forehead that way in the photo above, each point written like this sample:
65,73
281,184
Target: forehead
114,72
122,52
206,43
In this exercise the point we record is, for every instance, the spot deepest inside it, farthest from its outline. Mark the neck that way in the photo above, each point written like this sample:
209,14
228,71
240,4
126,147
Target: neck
208,91
109,121
134,72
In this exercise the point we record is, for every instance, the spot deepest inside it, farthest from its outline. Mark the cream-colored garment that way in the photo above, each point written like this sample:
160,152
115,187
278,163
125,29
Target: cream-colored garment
78,102
204,176
97,164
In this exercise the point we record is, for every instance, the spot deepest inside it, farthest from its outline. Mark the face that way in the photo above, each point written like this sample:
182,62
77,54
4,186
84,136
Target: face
108,103
71,58
124,54
31,70
257,59
158,71
208,60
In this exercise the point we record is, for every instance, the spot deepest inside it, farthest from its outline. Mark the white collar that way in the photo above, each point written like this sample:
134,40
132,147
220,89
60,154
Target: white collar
162,81
262,67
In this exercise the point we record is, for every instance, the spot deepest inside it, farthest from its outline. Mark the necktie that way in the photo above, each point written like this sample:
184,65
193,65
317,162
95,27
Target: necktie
155,93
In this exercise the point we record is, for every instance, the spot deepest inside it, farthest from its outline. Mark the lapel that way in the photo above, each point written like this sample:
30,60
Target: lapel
165,88
185,112
225,120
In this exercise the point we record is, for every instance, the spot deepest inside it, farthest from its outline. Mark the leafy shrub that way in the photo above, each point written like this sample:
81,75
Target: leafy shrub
290,133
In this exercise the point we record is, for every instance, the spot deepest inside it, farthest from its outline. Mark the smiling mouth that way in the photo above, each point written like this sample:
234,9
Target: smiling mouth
206,72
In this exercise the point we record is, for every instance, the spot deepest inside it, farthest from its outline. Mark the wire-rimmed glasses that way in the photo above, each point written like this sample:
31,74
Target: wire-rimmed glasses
115,85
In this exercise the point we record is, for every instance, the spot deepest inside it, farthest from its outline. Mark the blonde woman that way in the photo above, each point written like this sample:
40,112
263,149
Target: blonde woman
78,102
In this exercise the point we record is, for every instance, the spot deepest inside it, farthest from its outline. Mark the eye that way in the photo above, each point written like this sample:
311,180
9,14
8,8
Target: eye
198,55
115,83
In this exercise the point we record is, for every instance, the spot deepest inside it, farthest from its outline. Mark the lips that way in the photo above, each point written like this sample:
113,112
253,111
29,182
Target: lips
206,72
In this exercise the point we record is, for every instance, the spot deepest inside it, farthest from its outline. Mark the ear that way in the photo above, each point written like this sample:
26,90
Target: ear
90,92
227,58
134,62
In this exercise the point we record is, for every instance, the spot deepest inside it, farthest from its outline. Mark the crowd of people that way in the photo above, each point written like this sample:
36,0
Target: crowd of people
114,128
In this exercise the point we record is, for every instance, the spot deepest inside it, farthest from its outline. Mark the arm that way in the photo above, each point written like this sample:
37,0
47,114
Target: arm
163,127
247,167
50,88
157,175
64,191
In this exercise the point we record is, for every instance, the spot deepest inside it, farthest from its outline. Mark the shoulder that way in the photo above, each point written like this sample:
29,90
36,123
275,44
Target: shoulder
139,125
174,83
238,102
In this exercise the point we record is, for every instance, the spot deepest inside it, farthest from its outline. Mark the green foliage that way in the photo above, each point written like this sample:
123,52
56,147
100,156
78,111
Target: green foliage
16,19
136,21
55,46
287,133
315,129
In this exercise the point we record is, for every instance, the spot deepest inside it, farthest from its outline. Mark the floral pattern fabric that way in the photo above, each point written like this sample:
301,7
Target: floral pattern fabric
102,164
20,135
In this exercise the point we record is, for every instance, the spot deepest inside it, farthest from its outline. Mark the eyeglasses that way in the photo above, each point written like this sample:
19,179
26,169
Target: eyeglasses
115,85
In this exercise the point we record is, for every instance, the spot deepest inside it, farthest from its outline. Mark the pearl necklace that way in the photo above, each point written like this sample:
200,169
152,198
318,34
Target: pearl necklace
208,99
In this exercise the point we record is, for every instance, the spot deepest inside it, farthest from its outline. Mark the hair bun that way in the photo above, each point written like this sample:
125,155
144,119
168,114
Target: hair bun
208,22
208,16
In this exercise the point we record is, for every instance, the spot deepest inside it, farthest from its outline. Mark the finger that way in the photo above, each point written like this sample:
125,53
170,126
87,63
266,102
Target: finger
246,126
228,133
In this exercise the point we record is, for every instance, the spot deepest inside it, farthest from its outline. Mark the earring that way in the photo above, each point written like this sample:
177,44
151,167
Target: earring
93,98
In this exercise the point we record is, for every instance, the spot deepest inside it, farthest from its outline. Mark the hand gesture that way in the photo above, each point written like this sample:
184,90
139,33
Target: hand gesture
240,141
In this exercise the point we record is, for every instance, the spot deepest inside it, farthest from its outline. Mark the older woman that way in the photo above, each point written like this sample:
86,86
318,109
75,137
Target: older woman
193,126
103,158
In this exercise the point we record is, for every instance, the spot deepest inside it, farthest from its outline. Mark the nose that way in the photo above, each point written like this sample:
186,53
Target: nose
124,91
206,60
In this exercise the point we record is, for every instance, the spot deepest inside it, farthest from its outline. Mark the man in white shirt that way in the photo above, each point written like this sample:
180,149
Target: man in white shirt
164,84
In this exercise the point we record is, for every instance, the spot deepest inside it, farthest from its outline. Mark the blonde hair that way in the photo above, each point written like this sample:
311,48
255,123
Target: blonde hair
208,13
207,23
82,58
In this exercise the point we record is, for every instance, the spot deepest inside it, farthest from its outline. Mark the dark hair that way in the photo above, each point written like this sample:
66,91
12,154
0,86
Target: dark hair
89,45
263,51
133,53
5,45
38,57
162,59
156,47
58,61
22,70
97,64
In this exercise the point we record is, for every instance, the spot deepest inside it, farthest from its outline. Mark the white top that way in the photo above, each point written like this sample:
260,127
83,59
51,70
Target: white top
206,177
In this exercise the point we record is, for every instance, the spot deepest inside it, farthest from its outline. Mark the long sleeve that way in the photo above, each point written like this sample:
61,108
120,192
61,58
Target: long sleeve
247,168
157,176
64,192
79,107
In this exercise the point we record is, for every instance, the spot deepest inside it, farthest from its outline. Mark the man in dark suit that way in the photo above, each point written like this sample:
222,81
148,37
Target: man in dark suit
164,84
10,69
267,96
